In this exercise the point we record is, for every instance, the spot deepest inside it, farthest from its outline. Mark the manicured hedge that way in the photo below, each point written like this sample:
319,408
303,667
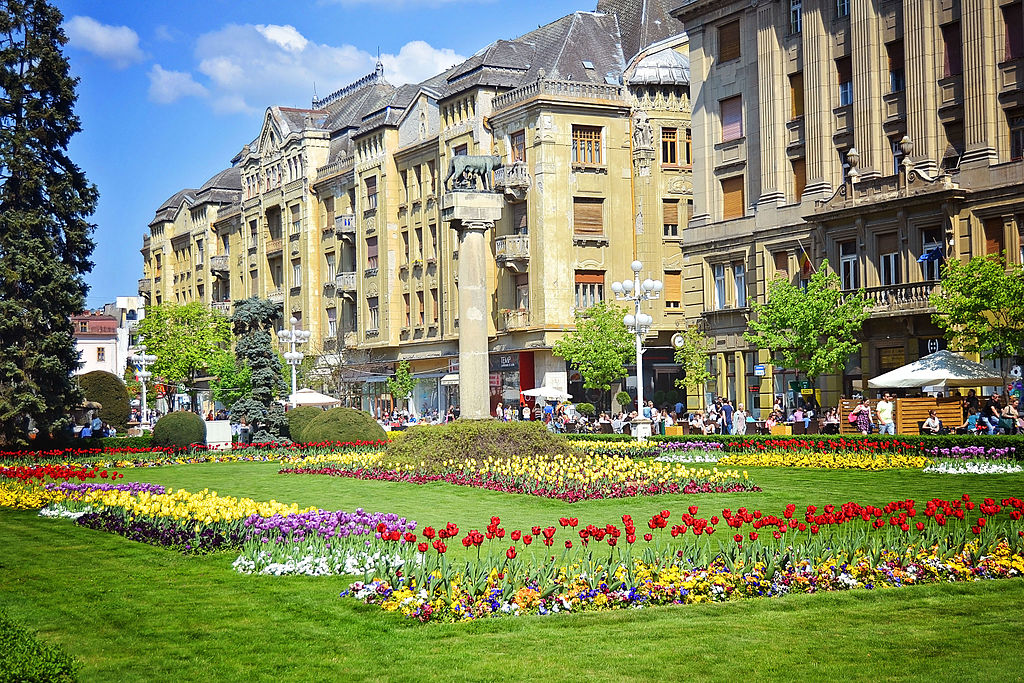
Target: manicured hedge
343,424
298,419
181,429
109,391
26,660
479,439
144,441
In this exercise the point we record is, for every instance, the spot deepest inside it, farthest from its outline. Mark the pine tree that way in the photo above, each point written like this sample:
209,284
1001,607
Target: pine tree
45,241
252,322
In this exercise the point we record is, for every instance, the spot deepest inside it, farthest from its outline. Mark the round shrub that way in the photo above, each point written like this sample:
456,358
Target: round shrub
298,419
109,391
342,424
623,399
585,409
180,429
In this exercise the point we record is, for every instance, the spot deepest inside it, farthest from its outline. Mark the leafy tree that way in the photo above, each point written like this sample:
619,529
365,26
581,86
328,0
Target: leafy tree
233,379
980,307
813,330
692,356
402,383
45,241
252,323
187,340
600,347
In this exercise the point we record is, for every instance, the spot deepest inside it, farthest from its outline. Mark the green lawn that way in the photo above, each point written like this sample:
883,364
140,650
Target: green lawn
136,612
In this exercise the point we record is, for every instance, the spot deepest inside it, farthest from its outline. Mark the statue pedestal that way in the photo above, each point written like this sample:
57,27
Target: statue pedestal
641,427
472,214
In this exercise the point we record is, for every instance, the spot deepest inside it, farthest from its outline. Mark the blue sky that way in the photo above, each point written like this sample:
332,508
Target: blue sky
170,91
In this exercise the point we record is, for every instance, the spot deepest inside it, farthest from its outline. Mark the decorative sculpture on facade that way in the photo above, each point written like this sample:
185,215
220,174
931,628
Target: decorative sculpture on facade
643,134
463,172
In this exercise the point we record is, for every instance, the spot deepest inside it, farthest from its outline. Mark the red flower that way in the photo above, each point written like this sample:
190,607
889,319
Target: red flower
981,521
516,535
428,532
693,509
536,531
422,547
564,521
738,538
568,544
511,552
527,539
665,514
976,529
814,528
648,537
410,537
439,546
753,535
920,526
630,538
573,521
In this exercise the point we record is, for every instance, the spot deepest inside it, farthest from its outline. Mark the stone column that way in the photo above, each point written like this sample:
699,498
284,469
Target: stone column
980,78
771,86
472,215
819,89
921,49
868,70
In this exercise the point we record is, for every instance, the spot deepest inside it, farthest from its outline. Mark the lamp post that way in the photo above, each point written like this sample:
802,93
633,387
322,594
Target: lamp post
638,324
293,337
143,359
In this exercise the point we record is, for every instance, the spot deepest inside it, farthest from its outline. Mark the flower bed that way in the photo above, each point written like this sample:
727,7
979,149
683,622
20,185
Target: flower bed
834,548
970,467
864,460
570,479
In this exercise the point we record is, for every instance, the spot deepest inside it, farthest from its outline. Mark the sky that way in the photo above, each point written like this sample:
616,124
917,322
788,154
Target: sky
170,91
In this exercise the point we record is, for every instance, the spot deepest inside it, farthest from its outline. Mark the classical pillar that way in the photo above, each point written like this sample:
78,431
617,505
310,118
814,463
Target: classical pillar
868,68
980,78
819,88
921,47
472,215
771,85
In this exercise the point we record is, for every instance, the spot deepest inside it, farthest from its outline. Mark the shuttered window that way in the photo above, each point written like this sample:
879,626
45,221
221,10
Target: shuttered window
670,210
994,236
435,306
517,141
732,118
589,288
732,198
799,178
588,216
781,259
422,308
673,290
586,145
371,192
371,252
519,226
729,41
796,94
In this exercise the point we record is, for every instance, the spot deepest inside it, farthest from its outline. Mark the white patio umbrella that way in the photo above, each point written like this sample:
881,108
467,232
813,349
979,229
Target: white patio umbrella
548,394
308,397
940,369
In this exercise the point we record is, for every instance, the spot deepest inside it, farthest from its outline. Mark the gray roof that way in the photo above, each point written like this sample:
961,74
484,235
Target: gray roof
642,22
169,208
664,67
228,179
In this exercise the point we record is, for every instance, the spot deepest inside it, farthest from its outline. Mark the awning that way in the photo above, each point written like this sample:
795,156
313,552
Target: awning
450,379
941,369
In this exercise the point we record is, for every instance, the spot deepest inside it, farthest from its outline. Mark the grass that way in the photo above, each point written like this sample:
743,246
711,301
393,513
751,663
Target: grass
134,612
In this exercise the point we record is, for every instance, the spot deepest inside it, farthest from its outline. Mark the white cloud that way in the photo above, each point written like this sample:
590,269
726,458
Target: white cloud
117,44
252,66
167,86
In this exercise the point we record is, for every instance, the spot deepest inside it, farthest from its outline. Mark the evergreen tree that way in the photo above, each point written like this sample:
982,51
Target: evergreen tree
45,241
252,322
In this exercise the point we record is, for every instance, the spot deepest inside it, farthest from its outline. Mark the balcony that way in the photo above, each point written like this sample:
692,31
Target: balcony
346,282
275,246
561,91
145,286
219,266
513,252
514,319
345,225
910,298
513,180
276,296
221,307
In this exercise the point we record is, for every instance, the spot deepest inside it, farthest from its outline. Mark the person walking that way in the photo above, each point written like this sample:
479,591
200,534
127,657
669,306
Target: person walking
884,410
864,420
739,420
727,412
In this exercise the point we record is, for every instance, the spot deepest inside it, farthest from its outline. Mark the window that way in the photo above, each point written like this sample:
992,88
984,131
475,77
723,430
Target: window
729,41
688,148
732,118
1013,24
405,186
200,252
418,247
955,144
673,289
522,284
408,310
253,231
888,260
670,220
718,270
993,236
1016,123
83,326
296,220
589,288
953,54
253,283
732,198
431,175
739,280
101,355
461,150
519,219
588,216
799,178
897,154
517,145
332,322
373,307
586,145
848,274
669,147
296,274
406,252
842,8
435,306
897,73
931,243
795,16
844,71
689,212
331,273
421,307
796,94
225,247
371,252
433,240
371,192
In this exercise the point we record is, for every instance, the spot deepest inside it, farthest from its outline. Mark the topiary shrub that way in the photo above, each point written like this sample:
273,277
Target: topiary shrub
298,419
180,429
108,390
624,399
343,424
478,439
585,409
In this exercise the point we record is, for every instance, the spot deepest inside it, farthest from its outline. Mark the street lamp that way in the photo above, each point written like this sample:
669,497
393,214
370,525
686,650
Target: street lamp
143,359
293,337
638,324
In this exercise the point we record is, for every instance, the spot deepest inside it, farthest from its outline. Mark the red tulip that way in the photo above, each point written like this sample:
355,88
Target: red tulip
920,526
738,538
428,532
422,547
568,544
536,531
753,535
693,509
516,535
527,539
439,546
648,537
665,514
511,552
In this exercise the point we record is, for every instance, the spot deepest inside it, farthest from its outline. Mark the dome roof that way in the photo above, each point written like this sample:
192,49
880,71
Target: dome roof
665,67
228,179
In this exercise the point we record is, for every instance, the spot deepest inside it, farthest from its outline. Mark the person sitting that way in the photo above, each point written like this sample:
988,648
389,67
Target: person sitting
933,425
971,424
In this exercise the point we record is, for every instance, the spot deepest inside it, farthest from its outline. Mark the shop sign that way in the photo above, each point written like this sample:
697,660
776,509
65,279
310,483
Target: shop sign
504,362
496,379
759,370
